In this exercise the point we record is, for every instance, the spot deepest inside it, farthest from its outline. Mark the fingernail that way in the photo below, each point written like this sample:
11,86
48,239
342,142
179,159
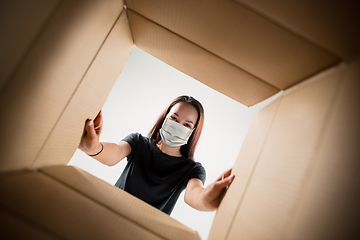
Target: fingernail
91,123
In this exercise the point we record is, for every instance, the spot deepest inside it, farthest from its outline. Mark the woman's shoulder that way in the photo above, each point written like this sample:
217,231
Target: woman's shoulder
135,136
136,139
198,165
198,171
195,166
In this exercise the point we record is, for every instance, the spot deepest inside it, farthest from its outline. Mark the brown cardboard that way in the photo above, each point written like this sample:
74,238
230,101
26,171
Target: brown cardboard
238,35
203,66
332,25
49,75
243,170
14,226
123,203
304,184
20,24
90,95
329,207
65,202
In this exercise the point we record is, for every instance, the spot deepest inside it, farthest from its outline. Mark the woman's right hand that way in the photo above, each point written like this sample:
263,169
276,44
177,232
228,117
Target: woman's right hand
90,140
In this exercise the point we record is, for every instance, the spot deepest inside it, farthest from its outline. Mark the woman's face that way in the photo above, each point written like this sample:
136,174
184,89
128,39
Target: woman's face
183,113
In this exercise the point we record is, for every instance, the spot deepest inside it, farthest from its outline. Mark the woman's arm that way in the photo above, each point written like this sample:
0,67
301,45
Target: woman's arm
209,198
111,153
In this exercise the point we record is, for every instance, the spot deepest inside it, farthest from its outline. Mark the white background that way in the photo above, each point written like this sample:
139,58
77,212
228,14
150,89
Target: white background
145,87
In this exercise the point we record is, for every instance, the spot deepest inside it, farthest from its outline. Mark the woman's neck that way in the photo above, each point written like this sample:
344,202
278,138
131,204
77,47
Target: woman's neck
175,152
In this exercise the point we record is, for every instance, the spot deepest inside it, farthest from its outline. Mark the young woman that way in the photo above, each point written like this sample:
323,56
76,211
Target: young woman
160,166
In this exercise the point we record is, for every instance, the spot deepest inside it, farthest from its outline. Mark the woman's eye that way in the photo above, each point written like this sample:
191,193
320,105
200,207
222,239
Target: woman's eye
187,125
173,118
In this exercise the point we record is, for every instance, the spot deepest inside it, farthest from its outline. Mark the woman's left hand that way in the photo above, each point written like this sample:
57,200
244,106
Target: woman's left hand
213,194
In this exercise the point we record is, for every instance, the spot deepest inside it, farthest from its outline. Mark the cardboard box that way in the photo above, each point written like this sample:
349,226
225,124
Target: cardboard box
297,174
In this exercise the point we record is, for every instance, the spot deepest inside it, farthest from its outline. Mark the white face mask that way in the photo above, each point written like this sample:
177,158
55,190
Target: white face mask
174,134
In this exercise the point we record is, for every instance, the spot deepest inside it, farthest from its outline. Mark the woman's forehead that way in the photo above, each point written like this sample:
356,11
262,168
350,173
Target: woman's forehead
185,109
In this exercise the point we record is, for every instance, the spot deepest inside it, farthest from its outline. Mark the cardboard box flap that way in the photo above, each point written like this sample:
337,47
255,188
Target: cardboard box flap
65,213
89,96
329,204
243,169
238,35
46,82
132,208
198,63
304,184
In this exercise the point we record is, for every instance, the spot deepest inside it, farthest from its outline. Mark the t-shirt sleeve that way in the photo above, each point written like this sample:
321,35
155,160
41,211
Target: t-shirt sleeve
198,172
132,139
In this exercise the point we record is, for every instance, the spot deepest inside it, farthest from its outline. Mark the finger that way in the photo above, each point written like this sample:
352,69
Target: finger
225,174
90,130
97,126
98,121
221,185
224,183
98,117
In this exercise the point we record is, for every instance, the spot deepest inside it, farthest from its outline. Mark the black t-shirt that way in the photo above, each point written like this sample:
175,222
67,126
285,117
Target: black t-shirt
154,176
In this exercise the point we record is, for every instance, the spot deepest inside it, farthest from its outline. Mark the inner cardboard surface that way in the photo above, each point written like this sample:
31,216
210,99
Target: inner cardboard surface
330,25
19,27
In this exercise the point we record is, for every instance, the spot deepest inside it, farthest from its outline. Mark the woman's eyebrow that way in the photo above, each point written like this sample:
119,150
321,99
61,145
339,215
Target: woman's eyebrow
185,120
